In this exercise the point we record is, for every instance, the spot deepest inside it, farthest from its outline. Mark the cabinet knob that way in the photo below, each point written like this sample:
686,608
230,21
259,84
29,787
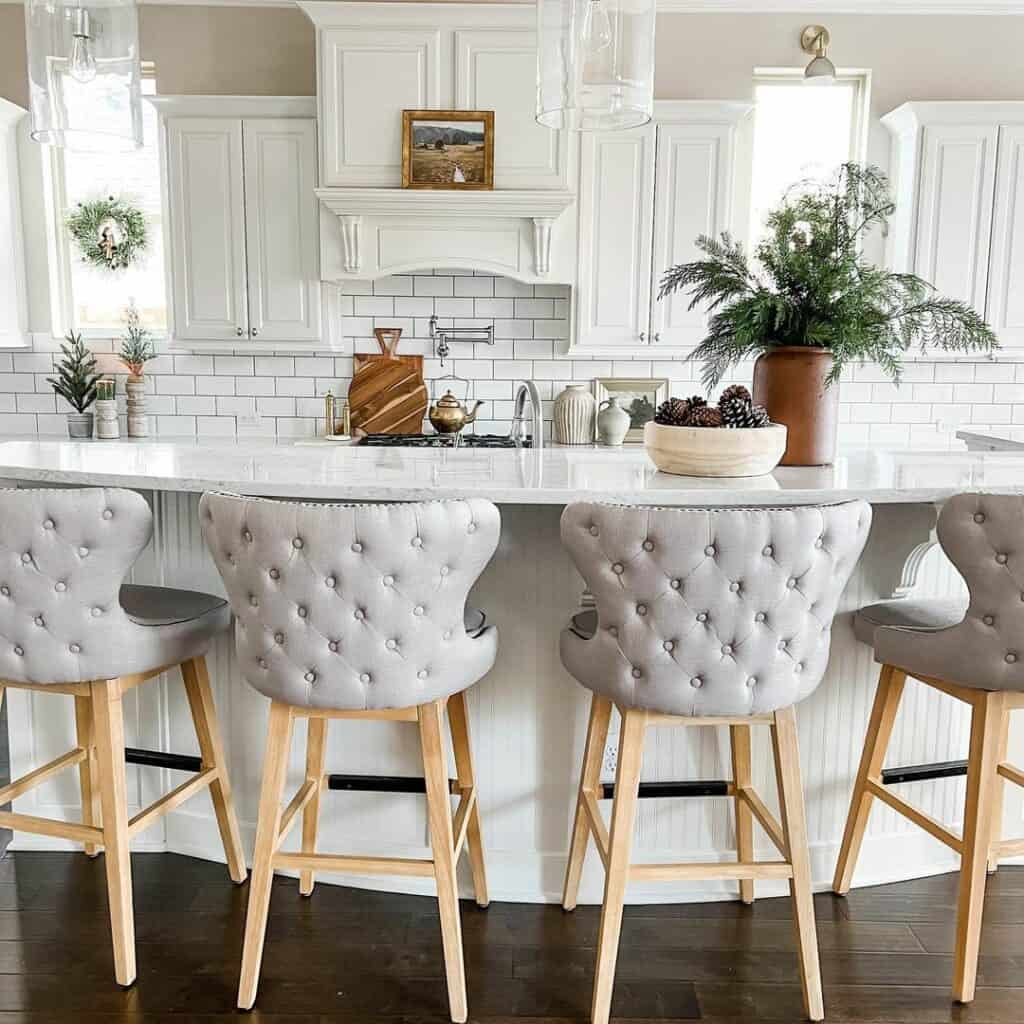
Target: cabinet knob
657,337
254,332
643,335
239,331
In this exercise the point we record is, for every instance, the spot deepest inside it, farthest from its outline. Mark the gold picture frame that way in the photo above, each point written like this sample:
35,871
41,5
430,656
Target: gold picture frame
650,391
431,160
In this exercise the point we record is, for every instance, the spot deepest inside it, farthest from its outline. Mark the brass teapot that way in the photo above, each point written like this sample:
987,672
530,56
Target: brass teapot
448,415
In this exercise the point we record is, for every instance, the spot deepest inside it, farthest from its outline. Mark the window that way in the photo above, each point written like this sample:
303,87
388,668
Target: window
802,131
91,300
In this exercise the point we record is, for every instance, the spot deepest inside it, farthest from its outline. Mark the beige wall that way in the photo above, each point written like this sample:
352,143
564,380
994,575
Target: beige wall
270,51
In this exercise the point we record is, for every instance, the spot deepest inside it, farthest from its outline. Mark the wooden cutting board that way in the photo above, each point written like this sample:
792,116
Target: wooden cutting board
387,394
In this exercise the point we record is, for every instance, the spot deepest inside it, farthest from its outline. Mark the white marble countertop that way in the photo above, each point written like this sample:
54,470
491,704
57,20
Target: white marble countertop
554,476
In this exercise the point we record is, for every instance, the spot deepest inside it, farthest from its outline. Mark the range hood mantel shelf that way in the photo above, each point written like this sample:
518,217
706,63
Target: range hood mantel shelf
450,220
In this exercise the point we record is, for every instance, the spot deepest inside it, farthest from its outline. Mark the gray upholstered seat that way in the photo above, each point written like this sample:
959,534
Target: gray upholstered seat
354,607
64,615
708,611
929,614
983,536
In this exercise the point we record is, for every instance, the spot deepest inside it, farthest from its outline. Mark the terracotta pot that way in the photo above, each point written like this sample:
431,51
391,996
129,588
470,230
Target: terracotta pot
790,383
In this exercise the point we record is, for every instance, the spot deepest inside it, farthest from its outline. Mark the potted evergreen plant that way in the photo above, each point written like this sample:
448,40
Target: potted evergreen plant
136,350
76,383
809,303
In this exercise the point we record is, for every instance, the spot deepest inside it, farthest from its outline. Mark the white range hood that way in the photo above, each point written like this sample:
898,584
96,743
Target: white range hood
375,60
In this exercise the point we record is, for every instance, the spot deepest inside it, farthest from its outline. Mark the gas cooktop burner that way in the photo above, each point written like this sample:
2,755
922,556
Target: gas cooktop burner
441,441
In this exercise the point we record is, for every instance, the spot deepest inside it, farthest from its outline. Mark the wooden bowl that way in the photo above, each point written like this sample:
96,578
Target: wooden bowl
715,451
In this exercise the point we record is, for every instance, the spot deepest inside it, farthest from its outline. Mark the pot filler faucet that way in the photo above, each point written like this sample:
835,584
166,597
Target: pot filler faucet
527,390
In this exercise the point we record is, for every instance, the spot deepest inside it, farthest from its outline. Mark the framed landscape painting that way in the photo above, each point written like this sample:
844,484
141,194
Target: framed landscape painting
640,397
448,149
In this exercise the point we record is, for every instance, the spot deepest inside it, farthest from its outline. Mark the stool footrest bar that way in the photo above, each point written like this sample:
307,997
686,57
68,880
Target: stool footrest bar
51,827
925,821
354,865
384,784
1011,773
160,759
35,778
175,798
692,787
921,772
700,872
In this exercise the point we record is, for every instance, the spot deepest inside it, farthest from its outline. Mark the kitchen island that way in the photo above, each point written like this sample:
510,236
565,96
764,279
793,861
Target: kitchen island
528,715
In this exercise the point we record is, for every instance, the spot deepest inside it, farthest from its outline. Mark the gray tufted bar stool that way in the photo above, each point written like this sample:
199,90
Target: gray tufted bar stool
68,625
359,612
702,617
975,654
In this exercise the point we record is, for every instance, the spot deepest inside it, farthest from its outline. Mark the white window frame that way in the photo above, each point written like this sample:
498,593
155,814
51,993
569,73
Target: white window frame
59,246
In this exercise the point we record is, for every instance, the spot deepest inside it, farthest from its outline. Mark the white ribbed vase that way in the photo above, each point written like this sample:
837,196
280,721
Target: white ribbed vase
573,415
138,421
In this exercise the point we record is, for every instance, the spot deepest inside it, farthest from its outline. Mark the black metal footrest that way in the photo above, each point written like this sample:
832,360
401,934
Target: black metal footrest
654,790
383,784
158,759
921,772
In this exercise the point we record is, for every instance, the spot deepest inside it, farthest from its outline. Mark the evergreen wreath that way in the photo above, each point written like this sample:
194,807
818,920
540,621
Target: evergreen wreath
110,233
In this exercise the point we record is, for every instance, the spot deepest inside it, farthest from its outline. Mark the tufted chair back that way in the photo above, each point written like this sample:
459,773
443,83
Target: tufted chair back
353,607
983,536
709,611
63,556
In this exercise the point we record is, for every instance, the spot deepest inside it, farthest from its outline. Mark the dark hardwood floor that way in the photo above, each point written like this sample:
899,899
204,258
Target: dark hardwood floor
347,956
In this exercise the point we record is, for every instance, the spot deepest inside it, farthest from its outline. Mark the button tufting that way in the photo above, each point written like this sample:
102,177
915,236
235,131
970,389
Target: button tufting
617,568
676,584
445,570
727,648
331,582
83,552
391,645
6,591
790,584
422,674
108,513
60,586
669,645
18,650
303,612
48,524
614,630
262,663
709,550
471,528
253,601
364,677
979,517
641,609
418,610
594,531
819,543
798,667
310,677
357,547
1001,559
648,545
734,587
751,681
447,635
359,614
760,617
388,580
74,648
417,542
767,551
279,638
1011,658
97,612
637,673
38,620
275,574
297,543
247,535
988,619
332,646
26,558
696,682
702,616
783,644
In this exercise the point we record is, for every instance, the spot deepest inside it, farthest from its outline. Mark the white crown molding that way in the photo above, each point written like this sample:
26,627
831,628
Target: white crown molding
920,7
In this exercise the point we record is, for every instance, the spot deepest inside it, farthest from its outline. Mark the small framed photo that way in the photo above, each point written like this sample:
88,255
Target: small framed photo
451,149
639,396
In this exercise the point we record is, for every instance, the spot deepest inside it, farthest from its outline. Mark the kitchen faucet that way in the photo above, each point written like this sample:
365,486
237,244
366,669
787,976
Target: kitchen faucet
518,433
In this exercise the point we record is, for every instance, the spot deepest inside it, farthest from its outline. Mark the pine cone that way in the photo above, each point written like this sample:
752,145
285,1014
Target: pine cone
706,416
697,402
736,391
673,412
739,413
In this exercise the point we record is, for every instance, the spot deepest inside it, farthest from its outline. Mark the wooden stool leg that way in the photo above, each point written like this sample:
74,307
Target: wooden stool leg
458,720
108,733
999,789
275,768
87,769
316,747
627,785
883,716
442,842
739,736
590,778
794,824
211,747
986,722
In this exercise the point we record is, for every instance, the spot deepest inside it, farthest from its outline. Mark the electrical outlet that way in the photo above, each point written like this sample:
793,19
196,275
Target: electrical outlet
611,756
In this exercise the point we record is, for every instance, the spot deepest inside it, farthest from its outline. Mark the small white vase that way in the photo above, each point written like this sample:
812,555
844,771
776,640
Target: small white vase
612,422
138,421
107,427
573,415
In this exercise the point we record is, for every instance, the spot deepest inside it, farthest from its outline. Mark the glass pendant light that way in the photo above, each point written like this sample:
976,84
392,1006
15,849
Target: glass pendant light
84,78
595,63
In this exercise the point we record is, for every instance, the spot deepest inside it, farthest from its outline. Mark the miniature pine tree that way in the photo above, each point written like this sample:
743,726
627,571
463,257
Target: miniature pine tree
76,373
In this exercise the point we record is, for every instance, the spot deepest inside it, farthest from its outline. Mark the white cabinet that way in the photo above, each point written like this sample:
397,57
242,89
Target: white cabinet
242,245
959,192
645,196
13,295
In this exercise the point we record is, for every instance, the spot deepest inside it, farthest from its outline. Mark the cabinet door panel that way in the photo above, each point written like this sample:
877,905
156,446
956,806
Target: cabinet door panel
497,70
368,77
281,229
692,197
1006,274
616,202
205,199
955,211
